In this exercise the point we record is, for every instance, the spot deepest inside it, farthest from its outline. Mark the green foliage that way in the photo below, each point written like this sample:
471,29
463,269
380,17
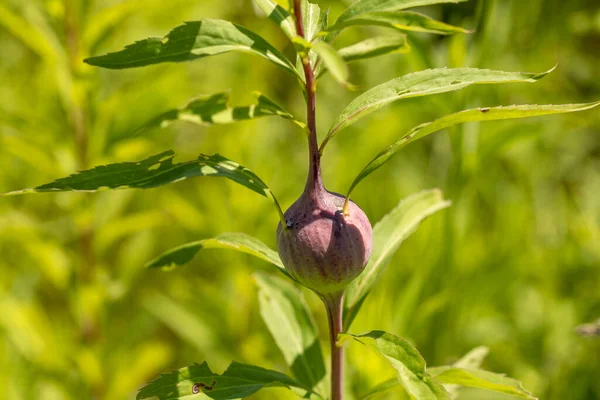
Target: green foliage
214,109
366,6
79,318
288,318
183,254
480,379
388,235
279,15
237,382
374,47
478,114
408,363
402,21
152,172
193,40
422,83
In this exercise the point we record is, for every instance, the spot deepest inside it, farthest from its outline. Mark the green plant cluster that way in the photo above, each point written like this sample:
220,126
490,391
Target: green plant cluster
514,259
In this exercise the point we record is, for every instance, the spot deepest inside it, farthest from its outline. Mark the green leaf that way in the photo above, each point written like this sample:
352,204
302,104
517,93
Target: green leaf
190,41
406,360
403,21
237,382
422,83
481,379
333,61
154,171
214,109
472,360
388,235
368,6
374,47
476,114
312,19
279,15
288,318
382,388
241,242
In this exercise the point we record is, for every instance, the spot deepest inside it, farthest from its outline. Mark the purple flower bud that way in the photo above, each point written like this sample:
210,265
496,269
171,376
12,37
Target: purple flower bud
323,248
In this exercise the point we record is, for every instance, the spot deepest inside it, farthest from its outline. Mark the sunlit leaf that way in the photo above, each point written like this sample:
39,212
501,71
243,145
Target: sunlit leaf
214,109
422,83
408,363
374,47
368,6
480,379
476,114
388,235
154,171
241,242
312,19
237,382
333,61
403,21
190,41
382,388
288,318
279,15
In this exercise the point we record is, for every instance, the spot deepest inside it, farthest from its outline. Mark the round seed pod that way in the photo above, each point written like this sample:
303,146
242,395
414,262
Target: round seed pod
321,246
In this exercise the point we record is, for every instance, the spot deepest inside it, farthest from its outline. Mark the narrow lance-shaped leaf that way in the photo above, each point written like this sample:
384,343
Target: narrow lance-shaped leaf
472,359
388,235
154,171
480,379
476,114
312,19
288,318
237,382
367,6
374,47
279,15
241,242
403,21
214,109
191,41
407,361
422,83
382,388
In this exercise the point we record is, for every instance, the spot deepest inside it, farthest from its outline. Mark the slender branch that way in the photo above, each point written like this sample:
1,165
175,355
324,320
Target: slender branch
333,304
313,181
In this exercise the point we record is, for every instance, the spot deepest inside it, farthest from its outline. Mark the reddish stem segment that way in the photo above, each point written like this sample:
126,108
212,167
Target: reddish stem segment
334,306
314,173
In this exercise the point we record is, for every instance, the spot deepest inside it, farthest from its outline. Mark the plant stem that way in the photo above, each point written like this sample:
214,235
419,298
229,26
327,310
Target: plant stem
333,304
313,181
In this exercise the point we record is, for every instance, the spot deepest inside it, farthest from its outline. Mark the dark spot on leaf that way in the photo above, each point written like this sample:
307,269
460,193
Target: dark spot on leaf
403,92
484,110
197,386
454,82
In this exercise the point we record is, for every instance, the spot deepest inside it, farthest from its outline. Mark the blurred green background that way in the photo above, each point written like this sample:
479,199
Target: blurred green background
514,264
